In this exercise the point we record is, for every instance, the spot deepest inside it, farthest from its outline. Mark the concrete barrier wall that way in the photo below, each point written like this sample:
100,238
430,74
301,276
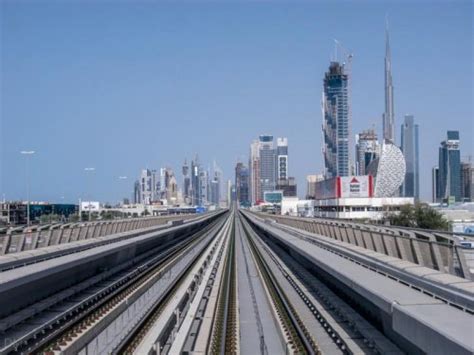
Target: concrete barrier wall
439,251
65,233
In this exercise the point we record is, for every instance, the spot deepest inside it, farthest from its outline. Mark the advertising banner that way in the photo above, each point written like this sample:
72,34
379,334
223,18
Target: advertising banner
356,186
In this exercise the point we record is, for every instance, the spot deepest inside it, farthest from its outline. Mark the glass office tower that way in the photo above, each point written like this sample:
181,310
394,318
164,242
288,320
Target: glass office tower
449,166
336,125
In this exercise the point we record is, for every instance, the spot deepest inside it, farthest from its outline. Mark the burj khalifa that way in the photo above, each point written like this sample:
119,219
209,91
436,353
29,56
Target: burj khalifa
388,116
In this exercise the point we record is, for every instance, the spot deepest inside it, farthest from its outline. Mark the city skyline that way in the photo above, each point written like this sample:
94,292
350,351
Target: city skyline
416,92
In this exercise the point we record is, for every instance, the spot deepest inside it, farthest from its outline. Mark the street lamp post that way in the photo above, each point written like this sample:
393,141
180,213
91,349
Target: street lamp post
90,205
28,153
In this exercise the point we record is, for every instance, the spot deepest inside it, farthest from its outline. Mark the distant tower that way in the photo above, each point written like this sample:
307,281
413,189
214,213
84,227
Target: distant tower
242,182
336,121
254,166
435,184
410,149
186,183
195,182
282,158
136,192
268,171
389,115
366,150
449,175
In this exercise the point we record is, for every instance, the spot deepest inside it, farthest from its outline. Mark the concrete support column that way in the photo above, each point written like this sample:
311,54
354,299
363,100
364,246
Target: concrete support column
343,232
401,243
48,236
359,239
350,234
67,234
114,227
6,240
63,236
103,229
83,232
108,228
436,258
34,241
390,245
366,235
377,240
97,228
21,243
461,259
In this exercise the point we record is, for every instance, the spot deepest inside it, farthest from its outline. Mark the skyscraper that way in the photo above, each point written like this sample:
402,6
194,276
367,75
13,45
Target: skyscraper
336,125
267,156
186,183
171,188
214,191
242,182
149,184
389,115
282,158
215,185
449,178
204,195
467,182
435,184
136,192
410,149
195,182
366,150
254,165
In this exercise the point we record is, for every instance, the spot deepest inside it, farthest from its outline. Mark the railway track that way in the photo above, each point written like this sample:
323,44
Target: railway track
131,344
249,295
60,335
298,338
231,288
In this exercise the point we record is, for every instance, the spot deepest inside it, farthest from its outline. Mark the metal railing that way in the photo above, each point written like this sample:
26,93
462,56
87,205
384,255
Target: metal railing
436,250
43,236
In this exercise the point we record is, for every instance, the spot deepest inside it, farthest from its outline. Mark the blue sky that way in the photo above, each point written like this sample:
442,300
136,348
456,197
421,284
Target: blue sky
120,87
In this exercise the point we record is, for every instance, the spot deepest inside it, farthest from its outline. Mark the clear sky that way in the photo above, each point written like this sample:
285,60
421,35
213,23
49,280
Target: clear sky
125,86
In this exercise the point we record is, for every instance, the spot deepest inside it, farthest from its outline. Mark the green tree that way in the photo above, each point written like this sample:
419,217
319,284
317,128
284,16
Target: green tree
403,218
419,215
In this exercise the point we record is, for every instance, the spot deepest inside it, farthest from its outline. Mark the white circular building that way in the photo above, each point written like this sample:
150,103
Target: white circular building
388,169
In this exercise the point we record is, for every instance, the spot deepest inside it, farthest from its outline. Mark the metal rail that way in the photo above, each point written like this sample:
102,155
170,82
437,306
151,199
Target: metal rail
133,339
301,340
54,336
222,338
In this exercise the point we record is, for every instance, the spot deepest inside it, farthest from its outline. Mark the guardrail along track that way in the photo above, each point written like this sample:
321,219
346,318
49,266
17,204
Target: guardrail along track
396,312
63,331
130,344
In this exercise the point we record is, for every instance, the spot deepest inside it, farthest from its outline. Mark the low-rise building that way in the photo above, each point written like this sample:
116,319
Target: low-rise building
353,197
365,208
15,212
